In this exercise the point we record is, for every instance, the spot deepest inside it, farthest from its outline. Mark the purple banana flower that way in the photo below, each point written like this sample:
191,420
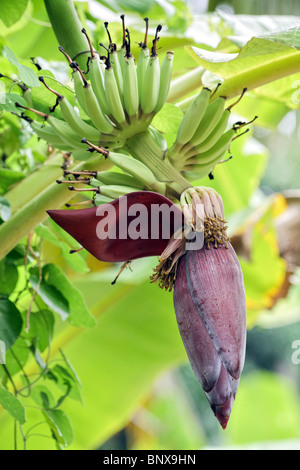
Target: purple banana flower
209,297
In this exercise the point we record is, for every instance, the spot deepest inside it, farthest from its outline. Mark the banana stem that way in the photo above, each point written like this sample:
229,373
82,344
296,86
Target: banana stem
186,83
33,212
67,28
144,148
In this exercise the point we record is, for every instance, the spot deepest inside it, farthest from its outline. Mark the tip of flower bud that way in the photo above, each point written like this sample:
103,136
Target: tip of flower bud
222,412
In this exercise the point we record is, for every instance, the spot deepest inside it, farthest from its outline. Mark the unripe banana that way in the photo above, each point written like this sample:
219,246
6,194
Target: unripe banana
72,117
150,88
165,80
217,151
194,117
113,97
142,65
114,178
64,131
216,134
115,191
133,167
48,134
78,87
131,95
209,121
116,66
94,111
78,83
96,75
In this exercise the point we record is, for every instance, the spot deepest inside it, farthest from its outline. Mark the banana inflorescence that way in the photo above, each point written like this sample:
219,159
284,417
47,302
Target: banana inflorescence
118,96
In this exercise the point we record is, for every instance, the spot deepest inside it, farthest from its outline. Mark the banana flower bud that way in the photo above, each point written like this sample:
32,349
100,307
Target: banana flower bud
209,296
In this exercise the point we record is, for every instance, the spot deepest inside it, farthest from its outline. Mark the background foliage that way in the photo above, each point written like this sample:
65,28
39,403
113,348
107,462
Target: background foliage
101,366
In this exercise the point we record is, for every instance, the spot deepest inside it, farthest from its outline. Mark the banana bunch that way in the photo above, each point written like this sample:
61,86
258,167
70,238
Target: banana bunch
203,137
119,98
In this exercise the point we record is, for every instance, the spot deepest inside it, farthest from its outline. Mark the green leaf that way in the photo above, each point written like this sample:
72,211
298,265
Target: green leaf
41,328
11,404
38,394
12,11
9,102
27,75
79,313
167,120
5,209
262,60
270,400
8,178
66,381
10,322
135,340
8,277
60,426
17,356
74,260
52,296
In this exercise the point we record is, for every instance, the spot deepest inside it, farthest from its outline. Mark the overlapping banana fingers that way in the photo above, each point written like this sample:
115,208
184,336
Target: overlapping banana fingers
203,137
118,95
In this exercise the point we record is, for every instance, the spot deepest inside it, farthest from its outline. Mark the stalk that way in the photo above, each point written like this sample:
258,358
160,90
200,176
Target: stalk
186,83
34,183
67,28
144,148
34,211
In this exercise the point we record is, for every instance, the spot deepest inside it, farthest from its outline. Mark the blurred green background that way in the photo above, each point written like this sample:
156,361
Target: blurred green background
137,388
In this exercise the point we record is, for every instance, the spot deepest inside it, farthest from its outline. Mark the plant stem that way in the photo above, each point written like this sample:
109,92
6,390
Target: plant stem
34,183
67,28
144,148
186,83
34,211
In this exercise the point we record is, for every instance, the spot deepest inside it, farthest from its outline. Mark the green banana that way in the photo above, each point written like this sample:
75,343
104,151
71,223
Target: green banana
150,87
116,66
113,97
78,83
142,65
72,117
115,178
64,131
96,75
48,134
115,191
151,82
209,121
133,167
216,151
143,61
165,80
216,134
94,111
194,117
131,95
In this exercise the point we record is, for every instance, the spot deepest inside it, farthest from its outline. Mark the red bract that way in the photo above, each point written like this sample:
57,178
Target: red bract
209,300
114,244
